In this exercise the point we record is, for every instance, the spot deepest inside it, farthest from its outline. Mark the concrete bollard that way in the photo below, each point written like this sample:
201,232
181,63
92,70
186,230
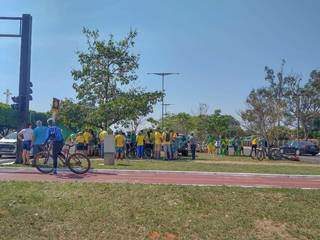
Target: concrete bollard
109,150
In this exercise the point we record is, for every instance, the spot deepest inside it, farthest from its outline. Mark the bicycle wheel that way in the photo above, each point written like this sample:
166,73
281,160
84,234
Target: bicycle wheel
44,162
260,155
147,153
276,154
79,163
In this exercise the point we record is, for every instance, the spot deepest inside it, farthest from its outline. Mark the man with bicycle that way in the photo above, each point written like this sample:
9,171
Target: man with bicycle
54,135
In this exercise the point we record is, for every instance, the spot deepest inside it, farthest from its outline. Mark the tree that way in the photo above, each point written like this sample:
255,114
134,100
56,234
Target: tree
310,103
74,116
260,116
181,122
277,85
203,125
104,81
8,119
223,125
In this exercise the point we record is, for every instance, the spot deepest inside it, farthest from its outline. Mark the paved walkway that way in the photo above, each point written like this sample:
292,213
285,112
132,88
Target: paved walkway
167,177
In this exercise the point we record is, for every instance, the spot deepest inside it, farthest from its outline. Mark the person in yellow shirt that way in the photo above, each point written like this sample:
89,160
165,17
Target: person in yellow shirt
166,143
254,144
102,135
140,144
120,143
80,142
157,144
87,137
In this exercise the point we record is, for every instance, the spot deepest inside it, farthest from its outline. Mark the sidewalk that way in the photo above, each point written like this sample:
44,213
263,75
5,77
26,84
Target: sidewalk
167,177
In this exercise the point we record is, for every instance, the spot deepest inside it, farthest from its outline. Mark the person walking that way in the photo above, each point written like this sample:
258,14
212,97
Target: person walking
157,144
193,145
54,135
38,139
26,135
166,143
140,144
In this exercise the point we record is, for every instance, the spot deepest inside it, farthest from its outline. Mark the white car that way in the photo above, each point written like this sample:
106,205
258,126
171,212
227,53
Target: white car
8,144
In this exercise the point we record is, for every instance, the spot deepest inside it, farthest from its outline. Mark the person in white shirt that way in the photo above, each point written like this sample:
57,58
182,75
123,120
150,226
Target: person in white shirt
25,135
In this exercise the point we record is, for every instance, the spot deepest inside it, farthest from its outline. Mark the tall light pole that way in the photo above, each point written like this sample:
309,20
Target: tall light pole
162,74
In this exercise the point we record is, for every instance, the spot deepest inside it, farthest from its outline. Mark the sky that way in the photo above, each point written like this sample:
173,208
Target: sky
219,47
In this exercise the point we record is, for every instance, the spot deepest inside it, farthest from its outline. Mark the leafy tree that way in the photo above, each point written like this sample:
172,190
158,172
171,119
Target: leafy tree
310,103
8,119
204,124
74,116
259,116
181,122
277,85
104,81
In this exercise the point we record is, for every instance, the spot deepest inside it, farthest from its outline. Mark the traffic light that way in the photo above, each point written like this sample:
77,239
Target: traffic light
16,104
29,91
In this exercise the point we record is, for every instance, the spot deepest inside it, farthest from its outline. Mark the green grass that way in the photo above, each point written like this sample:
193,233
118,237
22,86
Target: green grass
122,211
217,164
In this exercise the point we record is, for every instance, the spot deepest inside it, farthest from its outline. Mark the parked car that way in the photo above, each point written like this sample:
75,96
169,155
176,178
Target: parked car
300,148
8,144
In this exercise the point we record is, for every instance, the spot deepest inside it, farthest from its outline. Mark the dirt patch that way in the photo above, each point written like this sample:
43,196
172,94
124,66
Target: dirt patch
268,229
170,236
166,236
3,212
154,235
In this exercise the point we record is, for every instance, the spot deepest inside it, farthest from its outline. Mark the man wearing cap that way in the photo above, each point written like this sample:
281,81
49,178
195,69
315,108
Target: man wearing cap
54,134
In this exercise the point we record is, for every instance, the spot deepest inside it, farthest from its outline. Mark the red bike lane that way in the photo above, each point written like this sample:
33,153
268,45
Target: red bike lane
167,177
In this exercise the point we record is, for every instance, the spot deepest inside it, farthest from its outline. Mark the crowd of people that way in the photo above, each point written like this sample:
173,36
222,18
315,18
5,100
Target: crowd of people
220,146
149,144
145,144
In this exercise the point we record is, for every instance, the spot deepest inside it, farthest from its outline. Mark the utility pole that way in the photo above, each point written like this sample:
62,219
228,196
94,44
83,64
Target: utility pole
7,93
163,74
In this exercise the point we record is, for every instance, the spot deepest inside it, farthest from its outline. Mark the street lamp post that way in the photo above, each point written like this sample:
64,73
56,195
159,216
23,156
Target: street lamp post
162,74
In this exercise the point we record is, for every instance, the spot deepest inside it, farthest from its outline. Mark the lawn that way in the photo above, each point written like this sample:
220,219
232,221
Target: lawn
123,211
217,164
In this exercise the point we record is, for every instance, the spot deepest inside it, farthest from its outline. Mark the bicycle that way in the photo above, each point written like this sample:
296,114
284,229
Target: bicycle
272,154
76,162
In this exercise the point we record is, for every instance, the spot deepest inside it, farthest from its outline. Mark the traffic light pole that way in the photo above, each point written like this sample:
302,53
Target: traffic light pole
22,101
